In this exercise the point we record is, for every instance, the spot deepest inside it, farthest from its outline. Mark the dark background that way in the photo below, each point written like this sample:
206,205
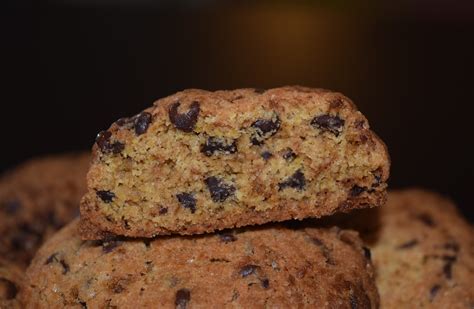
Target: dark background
72,67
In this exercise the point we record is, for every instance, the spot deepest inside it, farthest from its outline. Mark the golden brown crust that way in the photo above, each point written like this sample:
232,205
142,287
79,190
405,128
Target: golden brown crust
271,266
199,161
36,199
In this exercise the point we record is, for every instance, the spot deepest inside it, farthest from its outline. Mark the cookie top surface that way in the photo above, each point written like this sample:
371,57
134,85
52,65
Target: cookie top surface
200,161
423,250
265,267
11,278
37,198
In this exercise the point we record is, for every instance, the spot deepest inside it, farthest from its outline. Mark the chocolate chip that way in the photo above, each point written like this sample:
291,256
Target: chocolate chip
8,289
259,90
289,155
266,155
328,123
324,249
163,210
183,296
296,181
264,128
356,190
219,145
104,144
10,207
265,283
106,196
65,266
186,121
227,237
142,123
51,258
426,219
83,304
408,244
448,266
219,190
367,253
187,200
433,291
248,270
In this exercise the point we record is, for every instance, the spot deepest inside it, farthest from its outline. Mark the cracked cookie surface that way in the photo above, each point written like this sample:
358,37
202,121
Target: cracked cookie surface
260,267
200,161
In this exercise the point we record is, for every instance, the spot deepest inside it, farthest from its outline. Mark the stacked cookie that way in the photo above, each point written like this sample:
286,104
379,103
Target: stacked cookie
197,202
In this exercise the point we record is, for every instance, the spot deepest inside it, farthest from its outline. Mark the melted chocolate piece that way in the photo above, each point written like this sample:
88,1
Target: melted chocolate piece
186,121
187,200
219,190
289,155
248,270
227,237
265,128
328,123
356,190
182,298
215,144
296,181
106,196
104,144
142,122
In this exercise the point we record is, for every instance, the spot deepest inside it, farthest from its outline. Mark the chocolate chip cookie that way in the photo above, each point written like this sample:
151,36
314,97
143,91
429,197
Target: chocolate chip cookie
270,267
11,277
422,249
37,198
200,161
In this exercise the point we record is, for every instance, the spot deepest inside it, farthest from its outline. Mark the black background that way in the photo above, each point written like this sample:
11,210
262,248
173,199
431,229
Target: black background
70,68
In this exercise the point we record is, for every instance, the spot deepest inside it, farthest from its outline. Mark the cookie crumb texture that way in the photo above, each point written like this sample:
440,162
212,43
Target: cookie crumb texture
199,161
11,278
37,198
271,267
422,249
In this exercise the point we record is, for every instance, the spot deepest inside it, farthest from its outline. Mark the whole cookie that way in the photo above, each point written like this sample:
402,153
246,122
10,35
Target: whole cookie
423,250
11,278
200,161
36,199
271,267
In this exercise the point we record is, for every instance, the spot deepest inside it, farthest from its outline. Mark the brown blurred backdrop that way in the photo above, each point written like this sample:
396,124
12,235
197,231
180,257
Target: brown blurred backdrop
72,67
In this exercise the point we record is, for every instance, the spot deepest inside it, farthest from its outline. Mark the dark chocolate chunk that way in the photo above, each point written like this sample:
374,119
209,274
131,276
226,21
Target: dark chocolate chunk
106,196
264,128
10,207
324,249
83,304
187,200
219,190
163,210
367,253
142,122
328,123
265,283
248,270
183,296
65,266
296,181
266,155
448,266
426,219
8,288
356,190
104,144
219,145
433,291
289,155
409,244
227,237
186,121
